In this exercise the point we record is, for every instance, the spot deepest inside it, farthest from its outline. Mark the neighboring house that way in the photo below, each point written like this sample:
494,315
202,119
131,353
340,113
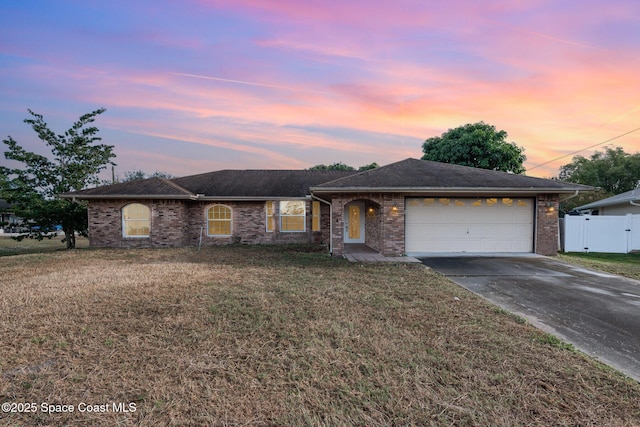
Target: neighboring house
8,219
620,204
409,207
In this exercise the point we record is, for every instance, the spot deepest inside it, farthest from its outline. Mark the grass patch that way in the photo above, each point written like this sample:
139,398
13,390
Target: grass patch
553,341
9,246
255,336
627,265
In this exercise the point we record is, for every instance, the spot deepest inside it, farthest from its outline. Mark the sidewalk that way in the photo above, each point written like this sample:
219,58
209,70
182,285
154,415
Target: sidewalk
363,253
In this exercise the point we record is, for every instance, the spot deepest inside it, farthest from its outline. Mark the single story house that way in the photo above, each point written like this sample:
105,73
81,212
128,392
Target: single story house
620,204
408,207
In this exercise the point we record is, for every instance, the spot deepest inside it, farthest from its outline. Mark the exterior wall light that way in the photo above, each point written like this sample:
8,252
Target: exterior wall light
549,208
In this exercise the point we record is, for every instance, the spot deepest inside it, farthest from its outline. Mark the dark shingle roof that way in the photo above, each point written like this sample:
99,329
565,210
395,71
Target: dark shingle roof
152,187
241,184
258,183
413,174
404,176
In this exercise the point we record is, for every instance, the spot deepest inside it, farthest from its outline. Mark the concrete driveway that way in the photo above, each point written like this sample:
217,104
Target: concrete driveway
598,313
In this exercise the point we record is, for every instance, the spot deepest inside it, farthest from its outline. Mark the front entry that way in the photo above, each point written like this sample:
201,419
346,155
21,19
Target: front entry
354,223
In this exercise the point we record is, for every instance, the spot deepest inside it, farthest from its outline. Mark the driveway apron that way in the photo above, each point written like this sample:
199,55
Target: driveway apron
596,312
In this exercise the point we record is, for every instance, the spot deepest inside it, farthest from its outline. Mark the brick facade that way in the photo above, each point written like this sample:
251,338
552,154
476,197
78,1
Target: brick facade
183,223
384,221
385,227
393,225
547,224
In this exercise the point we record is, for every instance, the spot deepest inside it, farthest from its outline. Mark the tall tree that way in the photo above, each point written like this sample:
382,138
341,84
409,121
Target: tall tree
336,166
139,174
478,145
373,165
76,160
343,167
613,170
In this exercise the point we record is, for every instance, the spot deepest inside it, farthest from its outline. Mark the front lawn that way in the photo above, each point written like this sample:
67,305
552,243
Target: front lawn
10,246
271,336
627,265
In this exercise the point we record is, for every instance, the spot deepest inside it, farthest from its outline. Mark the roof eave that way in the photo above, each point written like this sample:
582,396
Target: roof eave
250,198
197,197
441,190
604,204
126,196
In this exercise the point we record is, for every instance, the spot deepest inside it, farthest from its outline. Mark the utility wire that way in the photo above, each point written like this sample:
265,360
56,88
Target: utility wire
586,148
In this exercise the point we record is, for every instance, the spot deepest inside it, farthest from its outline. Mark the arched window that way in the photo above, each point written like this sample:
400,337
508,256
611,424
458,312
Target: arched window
219,220
136,220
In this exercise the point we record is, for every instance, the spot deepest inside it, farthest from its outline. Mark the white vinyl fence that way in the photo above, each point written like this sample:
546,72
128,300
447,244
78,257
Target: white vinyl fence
602,233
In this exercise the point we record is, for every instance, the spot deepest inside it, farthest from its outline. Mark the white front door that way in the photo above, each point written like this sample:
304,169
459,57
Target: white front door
354,223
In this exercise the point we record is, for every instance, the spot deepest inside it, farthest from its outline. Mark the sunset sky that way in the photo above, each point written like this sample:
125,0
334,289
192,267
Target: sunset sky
196,85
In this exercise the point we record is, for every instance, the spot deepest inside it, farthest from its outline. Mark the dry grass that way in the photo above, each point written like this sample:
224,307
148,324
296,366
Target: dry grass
270,336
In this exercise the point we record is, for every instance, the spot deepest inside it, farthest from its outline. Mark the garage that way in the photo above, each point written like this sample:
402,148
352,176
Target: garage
473,225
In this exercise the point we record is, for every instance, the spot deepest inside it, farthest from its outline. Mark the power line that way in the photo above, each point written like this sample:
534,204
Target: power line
586,148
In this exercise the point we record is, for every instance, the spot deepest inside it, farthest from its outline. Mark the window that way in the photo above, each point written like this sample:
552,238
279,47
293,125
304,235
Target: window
136,220
270,215
292,216
219,220
315,216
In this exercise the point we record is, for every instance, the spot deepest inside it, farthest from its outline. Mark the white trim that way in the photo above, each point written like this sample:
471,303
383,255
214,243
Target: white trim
347,220
304,217
459,191
273,216
207,220
123,222
330,221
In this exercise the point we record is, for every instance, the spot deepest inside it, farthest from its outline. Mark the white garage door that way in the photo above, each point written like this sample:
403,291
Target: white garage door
484,225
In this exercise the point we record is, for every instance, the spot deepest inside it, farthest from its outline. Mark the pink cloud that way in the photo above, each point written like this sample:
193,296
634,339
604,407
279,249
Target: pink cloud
553,90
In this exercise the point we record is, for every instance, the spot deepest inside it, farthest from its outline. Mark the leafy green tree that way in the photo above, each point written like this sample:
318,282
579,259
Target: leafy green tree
369,166
336,166
478,145
613,170
33,189
139,174
343,167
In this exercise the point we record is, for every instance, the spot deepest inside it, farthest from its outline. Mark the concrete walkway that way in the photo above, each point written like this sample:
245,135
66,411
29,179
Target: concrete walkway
363,253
